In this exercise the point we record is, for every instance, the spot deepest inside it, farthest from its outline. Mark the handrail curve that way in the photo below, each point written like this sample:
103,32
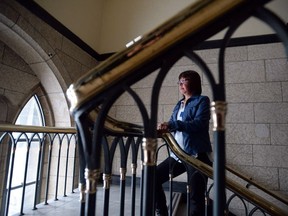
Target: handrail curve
256,184
119,66
230,184
117,127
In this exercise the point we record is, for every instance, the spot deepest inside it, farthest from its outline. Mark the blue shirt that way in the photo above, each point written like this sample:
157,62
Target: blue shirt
194,125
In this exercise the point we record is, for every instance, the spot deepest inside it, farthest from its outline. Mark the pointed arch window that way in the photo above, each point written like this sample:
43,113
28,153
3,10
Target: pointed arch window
31,114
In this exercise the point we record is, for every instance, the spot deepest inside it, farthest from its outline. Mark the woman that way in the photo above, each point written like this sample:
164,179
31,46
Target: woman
189,124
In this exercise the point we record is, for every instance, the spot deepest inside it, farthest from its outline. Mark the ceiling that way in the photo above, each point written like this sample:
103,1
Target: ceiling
106,26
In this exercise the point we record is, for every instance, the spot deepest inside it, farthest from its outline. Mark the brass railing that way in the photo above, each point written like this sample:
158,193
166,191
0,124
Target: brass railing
160,49
36,150
236,188
124,129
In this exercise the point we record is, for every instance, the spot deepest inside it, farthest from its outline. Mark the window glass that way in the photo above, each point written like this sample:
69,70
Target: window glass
31,113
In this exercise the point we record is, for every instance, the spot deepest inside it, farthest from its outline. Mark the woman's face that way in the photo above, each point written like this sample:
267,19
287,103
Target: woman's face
184,86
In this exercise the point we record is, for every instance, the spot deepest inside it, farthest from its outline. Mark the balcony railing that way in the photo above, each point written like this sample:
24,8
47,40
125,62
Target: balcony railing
37,163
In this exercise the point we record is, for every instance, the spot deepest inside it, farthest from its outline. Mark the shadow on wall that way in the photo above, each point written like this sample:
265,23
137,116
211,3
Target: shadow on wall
4,106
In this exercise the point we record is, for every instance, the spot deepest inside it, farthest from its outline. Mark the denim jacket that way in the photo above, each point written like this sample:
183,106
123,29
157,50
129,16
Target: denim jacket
194,124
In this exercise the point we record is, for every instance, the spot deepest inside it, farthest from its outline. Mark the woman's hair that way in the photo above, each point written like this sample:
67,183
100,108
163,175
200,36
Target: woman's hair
194,81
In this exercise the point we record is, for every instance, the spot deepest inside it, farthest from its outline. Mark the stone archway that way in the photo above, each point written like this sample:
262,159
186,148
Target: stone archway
42,65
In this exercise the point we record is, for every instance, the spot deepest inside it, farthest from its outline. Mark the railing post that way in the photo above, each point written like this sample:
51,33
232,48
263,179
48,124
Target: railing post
149,146
106,187
91,176
82,190
218,109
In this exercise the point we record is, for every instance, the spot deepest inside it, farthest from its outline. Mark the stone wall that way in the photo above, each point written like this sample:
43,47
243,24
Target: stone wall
34,54
257,117
36,59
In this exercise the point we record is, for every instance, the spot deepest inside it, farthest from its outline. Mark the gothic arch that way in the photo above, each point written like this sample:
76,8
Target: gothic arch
42,65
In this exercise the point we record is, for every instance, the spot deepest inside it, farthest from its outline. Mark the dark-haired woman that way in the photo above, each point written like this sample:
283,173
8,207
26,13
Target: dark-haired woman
189,124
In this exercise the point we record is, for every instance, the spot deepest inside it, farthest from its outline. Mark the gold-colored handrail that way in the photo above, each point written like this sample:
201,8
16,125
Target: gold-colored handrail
35,129
112,125
118,127
230,184
192,20
254,183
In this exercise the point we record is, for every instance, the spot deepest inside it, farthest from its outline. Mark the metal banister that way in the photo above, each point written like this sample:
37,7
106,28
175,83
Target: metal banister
250,182
160,49
230,184
114,126
194,20
35,129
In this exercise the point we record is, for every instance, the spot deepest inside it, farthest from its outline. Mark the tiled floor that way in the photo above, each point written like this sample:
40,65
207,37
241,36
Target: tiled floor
70,205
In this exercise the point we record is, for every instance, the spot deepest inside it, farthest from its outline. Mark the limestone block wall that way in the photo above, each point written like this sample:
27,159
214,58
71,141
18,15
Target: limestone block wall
257,118
36,59
34,54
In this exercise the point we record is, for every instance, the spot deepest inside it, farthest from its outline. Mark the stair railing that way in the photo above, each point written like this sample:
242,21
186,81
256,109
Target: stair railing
160,49
238,189
125,129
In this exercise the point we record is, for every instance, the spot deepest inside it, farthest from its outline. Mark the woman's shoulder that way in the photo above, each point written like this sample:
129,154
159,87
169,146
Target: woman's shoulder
204,97
200,98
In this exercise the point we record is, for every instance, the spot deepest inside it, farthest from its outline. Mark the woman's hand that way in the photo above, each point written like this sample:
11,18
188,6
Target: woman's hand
163,127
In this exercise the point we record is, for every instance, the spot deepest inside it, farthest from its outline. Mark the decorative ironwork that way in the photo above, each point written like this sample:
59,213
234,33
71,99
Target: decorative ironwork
42,138
149,146
159,50
92,177
133,168
82,189
122,174
218,109
106,180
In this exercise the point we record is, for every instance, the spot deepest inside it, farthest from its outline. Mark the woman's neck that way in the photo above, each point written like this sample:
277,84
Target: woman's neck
186,97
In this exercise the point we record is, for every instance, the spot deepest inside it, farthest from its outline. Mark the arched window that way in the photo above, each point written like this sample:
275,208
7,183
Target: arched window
31,114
